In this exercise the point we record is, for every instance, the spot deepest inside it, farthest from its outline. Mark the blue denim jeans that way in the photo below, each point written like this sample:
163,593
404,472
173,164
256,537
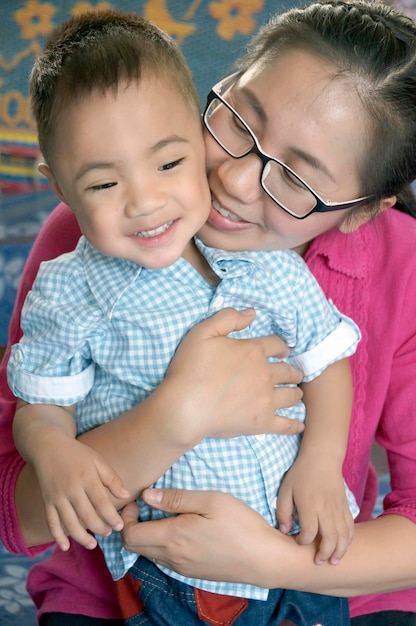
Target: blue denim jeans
164,601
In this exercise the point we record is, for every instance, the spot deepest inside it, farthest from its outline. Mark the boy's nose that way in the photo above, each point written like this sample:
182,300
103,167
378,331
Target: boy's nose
144,200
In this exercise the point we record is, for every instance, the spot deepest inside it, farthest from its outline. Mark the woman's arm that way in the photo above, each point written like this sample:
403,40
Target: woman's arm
208,396
206,392
59,234
220,537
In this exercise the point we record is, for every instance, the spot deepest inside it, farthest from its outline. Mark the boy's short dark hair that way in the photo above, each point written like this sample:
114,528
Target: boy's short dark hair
96,51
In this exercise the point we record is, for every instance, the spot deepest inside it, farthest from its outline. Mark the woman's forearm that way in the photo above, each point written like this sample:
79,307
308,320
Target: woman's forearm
217,537
380,559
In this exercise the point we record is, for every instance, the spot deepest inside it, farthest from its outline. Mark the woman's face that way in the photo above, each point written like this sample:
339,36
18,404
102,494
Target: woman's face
310,120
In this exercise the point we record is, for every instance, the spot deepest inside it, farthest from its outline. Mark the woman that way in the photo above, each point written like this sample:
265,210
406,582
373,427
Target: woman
329,92
305,75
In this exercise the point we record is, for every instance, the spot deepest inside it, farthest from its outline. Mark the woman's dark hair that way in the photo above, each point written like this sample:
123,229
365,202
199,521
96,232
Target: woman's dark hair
374,48
96,51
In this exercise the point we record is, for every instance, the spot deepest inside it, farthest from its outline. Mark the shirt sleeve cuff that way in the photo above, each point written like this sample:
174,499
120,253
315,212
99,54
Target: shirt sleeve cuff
63,390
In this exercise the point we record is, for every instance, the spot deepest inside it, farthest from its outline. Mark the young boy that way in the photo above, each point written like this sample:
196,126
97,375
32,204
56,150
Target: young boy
119,127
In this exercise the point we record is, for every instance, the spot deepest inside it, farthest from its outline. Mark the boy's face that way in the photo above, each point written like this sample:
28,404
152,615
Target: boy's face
131,165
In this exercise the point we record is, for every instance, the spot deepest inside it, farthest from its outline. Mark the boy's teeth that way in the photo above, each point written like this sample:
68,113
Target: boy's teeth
155,231
224,212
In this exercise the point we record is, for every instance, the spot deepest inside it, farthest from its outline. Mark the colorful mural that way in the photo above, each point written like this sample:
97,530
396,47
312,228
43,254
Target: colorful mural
211,33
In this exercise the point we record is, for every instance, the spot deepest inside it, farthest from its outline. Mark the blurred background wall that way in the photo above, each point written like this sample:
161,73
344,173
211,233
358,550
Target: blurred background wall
211,34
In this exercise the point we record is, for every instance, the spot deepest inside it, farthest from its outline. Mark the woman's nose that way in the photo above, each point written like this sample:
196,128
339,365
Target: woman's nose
241,177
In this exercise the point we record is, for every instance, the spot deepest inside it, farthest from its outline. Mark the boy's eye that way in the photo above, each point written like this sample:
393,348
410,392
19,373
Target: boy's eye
171,165
102,186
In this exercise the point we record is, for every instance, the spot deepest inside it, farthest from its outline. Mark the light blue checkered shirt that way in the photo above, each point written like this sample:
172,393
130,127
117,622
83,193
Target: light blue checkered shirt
102,332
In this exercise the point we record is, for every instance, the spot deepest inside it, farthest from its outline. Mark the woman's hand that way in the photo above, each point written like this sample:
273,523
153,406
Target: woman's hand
216,537
225,387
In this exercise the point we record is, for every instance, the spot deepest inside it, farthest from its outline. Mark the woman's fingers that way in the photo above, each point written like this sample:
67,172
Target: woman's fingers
202,539
227,387
224,322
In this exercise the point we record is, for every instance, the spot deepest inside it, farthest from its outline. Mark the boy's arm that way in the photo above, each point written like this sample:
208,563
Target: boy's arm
74,481
314,484
35,423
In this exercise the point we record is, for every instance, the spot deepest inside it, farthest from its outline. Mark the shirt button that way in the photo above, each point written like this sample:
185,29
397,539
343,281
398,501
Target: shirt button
260,438
18,355
218,301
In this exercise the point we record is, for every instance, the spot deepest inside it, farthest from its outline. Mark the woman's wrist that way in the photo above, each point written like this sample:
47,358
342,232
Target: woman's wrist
270,559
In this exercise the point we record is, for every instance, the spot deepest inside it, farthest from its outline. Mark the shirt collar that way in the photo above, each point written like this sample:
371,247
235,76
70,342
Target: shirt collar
233,263
108,277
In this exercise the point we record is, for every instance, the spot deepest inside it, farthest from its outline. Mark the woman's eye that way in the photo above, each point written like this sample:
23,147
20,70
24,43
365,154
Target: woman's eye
171,165
102,186
239,126
292,180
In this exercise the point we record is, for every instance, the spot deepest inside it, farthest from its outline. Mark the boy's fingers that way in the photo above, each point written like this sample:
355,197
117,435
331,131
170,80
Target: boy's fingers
62,525
112,482
56,529
326,549
284,513
102,515
309,525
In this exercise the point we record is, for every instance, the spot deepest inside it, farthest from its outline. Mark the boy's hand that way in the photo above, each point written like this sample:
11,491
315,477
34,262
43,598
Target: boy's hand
316,490
76,485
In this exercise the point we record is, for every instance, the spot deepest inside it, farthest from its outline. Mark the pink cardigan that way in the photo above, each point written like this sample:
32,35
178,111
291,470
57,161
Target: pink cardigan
371,276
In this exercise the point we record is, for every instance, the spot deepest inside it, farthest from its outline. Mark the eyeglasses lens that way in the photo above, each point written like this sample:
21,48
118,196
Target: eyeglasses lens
279,182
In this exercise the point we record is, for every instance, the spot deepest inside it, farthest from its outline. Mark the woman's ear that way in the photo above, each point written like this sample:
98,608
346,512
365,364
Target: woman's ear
46,171
355,220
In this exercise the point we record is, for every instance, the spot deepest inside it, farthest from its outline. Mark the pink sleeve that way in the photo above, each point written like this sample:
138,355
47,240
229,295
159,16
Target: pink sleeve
59,234
397,428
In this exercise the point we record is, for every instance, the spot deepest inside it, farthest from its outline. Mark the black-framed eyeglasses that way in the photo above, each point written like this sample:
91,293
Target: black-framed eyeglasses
286,188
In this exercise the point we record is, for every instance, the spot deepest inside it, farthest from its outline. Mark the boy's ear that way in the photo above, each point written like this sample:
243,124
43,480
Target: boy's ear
46,171
354,221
